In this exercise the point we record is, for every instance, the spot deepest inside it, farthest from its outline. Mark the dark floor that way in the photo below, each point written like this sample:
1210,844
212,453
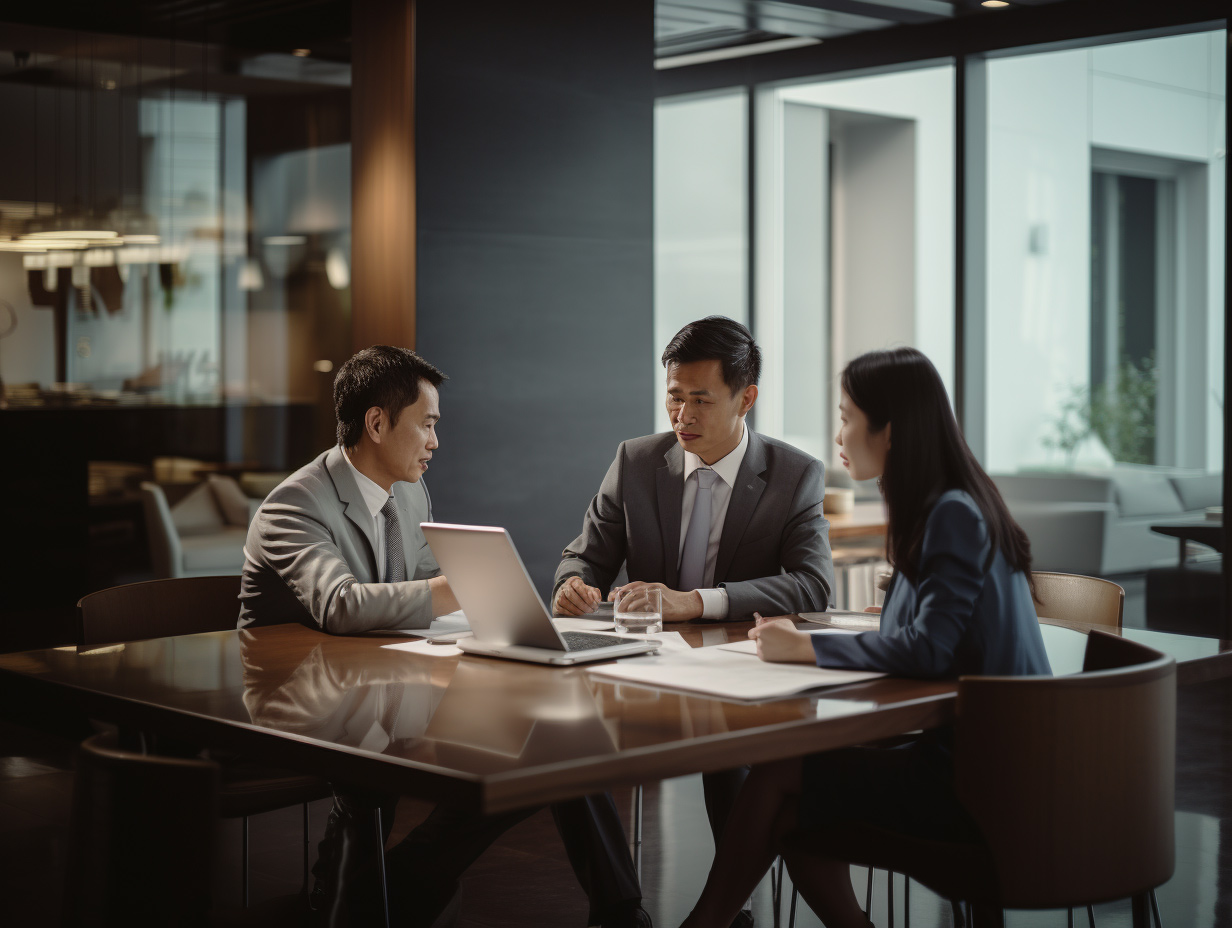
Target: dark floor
524,879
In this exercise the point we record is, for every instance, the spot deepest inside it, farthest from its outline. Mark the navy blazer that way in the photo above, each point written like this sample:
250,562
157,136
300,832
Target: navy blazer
957,618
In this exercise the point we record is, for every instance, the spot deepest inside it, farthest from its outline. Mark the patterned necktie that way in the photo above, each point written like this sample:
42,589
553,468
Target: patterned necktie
395,562
697,539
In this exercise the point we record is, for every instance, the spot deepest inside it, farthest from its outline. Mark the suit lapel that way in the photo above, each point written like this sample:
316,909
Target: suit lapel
745,496
671,496
353,502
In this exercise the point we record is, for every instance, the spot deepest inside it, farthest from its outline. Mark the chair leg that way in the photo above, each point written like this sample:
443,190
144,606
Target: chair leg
1155,910
244,858
1140,907
960,920
1090,917
380,863
776,890
906,901
868,896
637,816
791,915
1069,918
890,898
307,833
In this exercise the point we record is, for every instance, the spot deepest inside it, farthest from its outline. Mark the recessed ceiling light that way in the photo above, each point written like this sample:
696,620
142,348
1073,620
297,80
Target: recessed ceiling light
994,4
302,52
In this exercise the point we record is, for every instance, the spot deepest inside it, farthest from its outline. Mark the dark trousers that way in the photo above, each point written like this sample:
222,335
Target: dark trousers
720,789
423,870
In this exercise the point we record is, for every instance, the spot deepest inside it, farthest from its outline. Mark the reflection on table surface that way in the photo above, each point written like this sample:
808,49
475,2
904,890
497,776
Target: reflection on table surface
470,714
507,734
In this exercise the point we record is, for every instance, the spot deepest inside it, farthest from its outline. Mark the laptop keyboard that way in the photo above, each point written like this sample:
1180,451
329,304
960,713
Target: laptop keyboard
585,641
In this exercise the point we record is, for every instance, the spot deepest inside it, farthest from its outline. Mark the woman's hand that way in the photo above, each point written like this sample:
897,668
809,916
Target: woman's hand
779,641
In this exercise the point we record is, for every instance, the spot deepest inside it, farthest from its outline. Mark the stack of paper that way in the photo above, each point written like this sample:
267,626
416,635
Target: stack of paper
727,671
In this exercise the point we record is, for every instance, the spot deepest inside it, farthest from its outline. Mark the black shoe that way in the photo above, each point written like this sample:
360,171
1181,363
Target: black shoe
744,919
624,915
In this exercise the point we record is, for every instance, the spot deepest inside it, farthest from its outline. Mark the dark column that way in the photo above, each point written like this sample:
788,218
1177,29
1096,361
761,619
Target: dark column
534,127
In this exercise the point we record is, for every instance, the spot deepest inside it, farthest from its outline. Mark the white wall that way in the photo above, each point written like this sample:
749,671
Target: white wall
701,218
1161,97
926,98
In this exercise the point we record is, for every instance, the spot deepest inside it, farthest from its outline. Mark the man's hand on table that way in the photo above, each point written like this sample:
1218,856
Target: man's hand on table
780,642
574,597
677,606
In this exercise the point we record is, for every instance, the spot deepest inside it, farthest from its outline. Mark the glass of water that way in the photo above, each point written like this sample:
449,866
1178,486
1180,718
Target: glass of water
639,612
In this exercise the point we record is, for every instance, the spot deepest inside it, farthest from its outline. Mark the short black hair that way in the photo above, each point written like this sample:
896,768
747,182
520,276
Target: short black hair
717,338
381,376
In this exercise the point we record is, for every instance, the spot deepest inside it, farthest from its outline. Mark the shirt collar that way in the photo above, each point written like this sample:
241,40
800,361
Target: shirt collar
726,467
369,489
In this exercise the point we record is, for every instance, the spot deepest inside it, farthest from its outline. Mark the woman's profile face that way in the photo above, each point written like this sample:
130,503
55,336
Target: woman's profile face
864,452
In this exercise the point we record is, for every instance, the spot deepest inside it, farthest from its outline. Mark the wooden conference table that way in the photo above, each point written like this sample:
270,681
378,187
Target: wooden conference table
487,734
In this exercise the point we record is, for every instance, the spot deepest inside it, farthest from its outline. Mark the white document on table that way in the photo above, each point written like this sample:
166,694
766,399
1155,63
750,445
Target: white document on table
749,646
427,647
726,673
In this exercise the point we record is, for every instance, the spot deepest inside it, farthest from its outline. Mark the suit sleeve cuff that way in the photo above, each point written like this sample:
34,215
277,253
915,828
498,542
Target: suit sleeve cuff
714,604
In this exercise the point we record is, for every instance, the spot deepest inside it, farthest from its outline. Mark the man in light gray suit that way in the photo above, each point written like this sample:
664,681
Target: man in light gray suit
338,546
725,522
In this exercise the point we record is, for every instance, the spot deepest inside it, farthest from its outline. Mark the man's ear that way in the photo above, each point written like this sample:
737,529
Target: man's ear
374,423
887,431
749,398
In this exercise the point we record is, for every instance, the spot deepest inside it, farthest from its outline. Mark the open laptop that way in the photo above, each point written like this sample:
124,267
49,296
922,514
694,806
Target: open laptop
506,615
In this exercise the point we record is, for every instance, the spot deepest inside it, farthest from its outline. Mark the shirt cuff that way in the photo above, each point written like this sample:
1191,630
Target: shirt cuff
714,604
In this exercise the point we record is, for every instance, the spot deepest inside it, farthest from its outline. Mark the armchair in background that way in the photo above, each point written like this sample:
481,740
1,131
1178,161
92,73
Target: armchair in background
202,534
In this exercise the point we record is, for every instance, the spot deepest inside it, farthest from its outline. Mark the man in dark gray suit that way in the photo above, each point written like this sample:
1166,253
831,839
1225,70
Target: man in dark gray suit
338,546
725,522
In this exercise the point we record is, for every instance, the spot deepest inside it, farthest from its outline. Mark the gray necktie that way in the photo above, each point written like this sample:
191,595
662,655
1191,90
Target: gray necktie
697,538
395,562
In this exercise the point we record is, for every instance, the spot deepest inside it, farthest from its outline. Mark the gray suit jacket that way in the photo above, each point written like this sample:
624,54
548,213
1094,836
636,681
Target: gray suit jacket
774,553
310,555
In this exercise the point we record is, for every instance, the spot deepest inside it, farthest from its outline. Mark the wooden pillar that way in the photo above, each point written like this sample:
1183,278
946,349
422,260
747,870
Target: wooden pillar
383,173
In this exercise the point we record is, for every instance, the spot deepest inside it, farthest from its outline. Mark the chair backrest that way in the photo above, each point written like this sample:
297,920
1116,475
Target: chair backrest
164,540
1071,779
158,609
143,835
1075,598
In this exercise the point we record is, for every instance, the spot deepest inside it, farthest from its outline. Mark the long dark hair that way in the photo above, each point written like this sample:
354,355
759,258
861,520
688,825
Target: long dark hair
927,456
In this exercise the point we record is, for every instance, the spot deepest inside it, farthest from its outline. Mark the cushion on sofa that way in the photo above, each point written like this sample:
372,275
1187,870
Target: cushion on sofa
198,512
231,499
1199,490
221,553
1145,495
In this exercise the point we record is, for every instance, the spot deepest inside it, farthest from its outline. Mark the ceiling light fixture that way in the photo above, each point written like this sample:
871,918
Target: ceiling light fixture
301,52
994,4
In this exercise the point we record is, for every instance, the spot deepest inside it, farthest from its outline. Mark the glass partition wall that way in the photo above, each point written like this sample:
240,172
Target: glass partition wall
174,296
174,228
1086,356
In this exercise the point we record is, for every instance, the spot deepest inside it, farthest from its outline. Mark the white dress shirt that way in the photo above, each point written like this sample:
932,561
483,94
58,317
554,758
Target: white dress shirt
714,601
375,498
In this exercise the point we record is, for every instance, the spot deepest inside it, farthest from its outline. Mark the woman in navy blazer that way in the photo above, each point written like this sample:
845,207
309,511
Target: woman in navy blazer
960,602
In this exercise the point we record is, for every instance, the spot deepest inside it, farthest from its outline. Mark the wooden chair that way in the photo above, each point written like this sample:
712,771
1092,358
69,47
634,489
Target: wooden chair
143,838
1070,780
1075,598
187,606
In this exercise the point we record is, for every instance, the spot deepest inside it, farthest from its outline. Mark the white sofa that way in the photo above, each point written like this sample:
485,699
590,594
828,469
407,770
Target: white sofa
1098,522
203,534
